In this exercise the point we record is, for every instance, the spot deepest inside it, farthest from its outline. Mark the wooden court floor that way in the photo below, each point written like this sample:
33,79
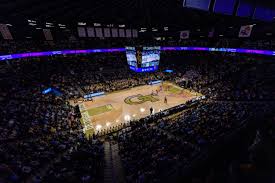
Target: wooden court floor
120,107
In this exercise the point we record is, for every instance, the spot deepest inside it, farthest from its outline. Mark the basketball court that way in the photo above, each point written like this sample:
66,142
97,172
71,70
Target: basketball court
114,109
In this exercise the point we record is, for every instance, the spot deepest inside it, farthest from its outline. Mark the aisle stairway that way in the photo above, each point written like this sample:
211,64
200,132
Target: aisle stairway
113,170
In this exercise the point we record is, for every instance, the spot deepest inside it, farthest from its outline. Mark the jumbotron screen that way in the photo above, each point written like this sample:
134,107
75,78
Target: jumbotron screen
143,59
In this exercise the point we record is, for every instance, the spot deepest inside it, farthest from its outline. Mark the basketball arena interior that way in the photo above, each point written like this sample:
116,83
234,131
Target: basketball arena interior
137,91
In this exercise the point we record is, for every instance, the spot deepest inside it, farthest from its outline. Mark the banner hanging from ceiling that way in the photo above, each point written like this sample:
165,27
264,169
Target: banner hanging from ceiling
81,32
99,32
91,32
114,32
107,32
5,32
135,33
48,34
184,34
245,31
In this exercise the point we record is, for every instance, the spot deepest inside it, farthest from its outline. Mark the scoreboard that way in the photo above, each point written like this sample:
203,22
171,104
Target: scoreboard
197,4
143,59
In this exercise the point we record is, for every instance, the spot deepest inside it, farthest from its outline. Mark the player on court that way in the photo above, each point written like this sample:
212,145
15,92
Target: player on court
165,100
151,110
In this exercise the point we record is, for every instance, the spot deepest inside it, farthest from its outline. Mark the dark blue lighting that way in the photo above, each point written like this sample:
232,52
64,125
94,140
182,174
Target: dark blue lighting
224,6
169,71
263,13
53,90
47,91
245,9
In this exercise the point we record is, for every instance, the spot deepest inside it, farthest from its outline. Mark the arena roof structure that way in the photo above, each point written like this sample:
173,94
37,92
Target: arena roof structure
136,14
139,12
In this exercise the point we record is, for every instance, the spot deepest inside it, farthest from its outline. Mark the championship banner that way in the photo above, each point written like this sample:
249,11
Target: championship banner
91,32
107,32
184,34
48,34
135,33
128,33
98,32
245,31
114,32
81,31
5,32
121,33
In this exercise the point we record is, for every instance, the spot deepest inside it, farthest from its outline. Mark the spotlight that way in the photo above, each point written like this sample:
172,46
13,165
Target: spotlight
127,118
142,109
98,127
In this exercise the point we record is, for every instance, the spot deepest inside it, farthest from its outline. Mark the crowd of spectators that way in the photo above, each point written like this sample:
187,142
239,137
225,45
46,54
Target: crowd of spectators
43,131
83,163
150,151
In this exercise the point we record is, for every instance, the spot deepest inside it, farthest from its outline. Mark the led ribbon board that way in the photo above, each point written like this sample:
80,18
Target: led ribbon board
89,51
62,52
229,50
155,82
91,95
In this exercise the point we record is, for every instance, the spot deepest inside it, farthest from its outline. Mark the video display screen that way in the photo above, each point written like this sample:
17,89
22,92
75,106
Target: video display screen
131,56
150,56
143,59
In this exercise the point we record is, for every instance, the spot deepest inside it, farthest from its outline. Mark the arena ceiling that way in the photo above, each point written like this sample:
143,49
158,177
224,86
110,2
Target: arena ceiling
115,11
139,12
132,13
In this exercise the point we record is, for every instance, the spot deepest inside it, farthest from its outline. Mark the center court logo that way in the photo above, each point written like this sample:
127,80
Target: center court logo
140,99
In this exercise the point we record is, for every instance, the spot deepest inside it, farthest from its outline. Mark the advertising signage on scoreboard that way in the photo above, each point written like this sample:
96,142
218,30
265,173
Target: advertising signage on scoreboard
143,59
131,56
150,56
